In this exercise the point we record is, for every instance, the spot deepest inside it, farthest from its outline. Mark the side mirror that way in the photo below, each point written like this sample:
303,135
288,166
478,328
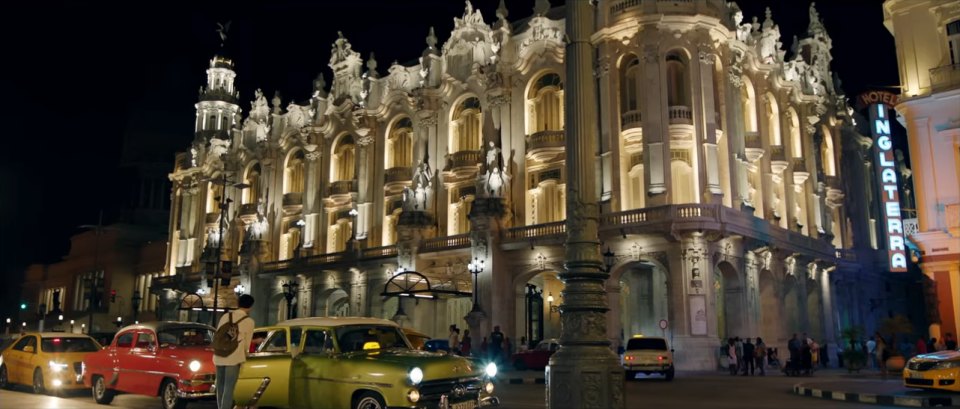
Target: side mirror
152,348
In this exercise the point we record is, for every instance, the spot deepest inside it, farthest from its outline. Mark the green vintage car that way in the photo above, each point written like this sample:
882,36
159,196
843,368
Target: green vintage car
359,363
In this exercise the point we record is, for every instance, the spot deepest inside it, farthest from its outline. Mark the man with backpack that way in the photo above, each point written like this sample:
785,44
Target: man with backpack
230,346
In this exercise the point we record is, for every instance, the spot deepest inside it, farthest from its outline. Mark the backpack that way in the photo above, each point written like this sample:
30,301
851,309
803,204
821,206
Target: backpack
226,339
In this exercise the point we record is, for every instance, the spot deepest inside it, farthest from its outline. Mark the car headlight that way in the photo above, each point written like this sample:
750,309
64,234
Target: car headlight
488,387
948,364
416,375
413,395
491,369
57,367
194,366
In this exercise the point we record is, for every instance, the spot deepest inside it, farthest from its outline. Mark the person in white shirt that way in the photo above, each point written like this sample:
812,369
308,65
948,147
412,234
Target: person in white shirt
228,367
454,339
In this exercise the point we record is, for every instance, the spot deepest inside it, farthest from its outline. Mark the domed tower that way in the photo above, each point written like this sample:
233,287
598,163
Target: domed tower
217,109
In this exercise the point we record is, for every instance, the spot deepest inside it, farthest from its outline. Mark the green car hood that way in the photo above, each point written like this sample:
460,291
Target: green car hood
434,365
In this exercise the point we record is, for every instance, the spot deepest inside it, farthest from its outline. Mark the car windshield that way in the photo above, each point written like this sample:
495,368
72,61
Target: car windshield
647,343
185,336
68,344
360,337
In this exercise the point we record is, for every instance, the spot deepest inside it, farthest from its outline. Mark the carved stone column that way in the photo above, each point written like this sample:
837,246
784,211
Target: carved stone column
656,152
492,285
709,169
585,372
366,130
734,132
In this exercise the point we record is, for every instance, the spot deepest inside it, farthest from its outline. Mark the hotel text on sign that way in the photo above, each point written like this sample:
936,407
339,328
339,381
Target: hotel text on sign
889,192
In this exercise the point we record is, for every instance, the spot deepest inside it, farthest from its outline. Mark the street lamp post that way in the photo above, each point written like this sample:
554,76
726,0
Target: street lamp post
476,267
224,205
300,223
135,303
290,289
71,326
353,228
119,322
92,283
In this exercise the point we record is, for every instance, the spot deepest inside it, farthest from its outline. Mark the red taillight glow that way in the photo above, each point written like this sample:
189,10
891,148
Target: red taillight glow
660,358
628,358
56,340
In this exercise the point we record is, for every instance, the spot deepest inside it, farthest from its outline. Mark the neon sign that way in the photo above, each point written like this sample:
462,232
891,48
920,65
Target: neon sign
889,191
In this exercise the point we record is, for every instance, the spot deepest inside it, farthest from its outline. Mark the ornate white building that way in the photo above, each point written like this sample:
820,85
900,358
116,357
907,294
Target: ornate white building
720,177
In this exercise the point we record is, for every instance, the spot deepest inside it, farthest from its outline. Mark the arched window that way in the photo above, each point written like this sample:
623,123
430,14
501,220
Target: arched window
545,104
344,160
214,191
465,126
772,119
252,179
748,98
678,92
826,152
399,149
293,173
793,124
681,175
630,85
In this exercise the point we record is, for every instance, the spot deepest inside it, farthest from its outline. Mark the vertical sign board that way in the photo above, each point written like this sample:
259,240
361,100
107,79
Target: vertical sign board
889,192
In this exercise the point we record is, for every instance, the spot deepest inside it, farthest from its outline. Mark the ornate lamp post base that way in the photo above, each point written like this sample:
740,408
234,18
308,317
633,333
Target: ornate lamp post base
581,376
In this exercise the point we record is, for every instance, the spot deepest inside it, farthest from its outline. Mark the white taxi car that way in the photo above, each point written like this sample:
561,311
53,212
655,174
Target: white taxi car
648,355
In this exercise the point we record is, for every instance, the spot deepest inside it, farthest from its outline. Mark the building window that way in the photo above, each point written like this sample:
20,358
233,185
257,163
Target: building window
344,160
399,152
251,193
465,126
545,104
953,41
293,173
87,283
678,93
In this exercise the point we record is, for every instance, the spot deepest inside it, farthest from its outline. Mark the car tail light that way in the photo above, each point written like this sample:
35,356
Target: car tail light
660,358
628,358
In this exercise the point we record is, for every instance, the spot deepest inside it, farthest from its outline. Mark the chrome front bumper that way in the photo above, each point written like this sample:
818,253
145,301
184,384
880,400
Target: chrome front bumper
198,395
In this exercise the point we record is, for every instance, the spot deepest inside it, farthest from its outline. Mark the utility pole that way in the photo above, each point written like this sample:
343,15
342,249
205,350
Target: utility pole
218,269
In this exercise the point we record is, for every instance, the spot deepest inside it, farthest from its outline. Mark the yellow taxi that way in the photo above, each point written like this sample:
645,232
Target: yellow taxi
47,361
938,370
417,339
648,355
358,363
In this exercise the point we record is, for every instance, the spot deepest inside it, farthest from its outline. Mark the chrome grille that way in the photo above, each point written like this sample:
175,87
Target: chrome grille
456,390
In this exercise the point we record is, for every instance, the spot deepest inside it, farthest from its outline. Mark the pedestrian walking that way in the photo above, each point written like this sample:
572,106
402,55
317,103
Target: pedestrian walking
235,326
748,358
761,356
793,347
496,344
880,353
454,339
465,343
732,356
872,352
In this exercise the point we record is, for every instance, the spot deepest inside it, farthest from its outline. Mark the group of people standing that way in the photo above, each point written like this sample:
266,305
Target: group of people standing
746,357
496,347
806,354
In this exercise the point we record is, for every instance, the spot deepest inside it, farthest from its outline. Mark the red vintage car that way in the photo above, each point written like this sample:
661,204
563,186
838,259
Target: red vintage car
172,360
536,358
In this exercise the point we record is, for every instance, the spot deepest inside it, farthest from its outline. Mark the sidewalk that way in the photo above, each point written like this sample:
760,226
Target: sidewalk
870,387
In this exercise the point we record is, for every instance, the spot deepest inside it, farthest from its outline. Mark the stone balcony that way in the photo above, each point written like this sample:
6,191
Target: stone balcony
211,218
343,187
624,9
545,145
800,173
462,164
778,159
631,120
945,78
680,115
753,146
292,202
395,178
834,189
248,212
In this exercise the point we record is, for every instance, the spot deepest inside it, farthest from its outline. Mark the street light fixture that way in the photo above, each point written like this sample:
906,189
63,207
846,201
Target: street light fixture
239,289
290,289
609,259
300,223
218,268
71,326
476,267
553,308
119,322
353,228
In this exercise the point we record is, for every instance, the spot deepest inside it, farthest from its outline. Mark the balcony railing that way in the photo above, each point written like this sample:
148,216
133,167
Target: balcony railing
447,243
752,140
462,159
847,255
218,94
680,114
342,187
375,252
546,139
630,120
292,199
946,77
537,230
777,153
799,165
832,182
248,212
398,174
621,7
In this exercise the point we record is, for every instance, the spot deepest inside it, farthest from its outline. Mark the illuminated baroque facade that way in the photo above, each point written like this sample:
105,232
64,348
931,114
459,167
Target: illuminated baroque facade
718,170
927,34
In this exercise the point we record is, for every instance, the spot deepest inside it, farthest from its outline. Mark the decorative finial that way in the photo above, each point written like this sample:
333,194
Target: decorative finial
276,102
541,7
431,39
502,11
319,85
372,66
816,25
222,29
768,18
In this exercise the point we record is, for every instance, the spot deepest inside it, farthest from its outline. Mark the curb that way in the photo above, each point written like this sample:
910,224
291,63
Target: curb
527,381
889,400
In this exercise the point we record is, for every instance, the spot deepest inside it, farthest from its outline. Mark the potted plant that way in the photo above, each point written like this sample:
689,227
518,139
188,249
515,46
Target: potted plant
854,357
894,327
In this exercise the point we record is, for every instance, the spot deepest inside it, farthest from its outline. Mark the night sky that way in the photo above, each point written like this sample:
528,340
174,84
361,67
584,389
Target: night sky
86,76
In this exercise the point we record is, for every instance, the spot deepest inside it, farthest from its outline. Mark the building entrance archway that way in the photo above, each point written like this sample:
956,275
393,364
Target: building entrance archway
643,300
731,308
541,312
